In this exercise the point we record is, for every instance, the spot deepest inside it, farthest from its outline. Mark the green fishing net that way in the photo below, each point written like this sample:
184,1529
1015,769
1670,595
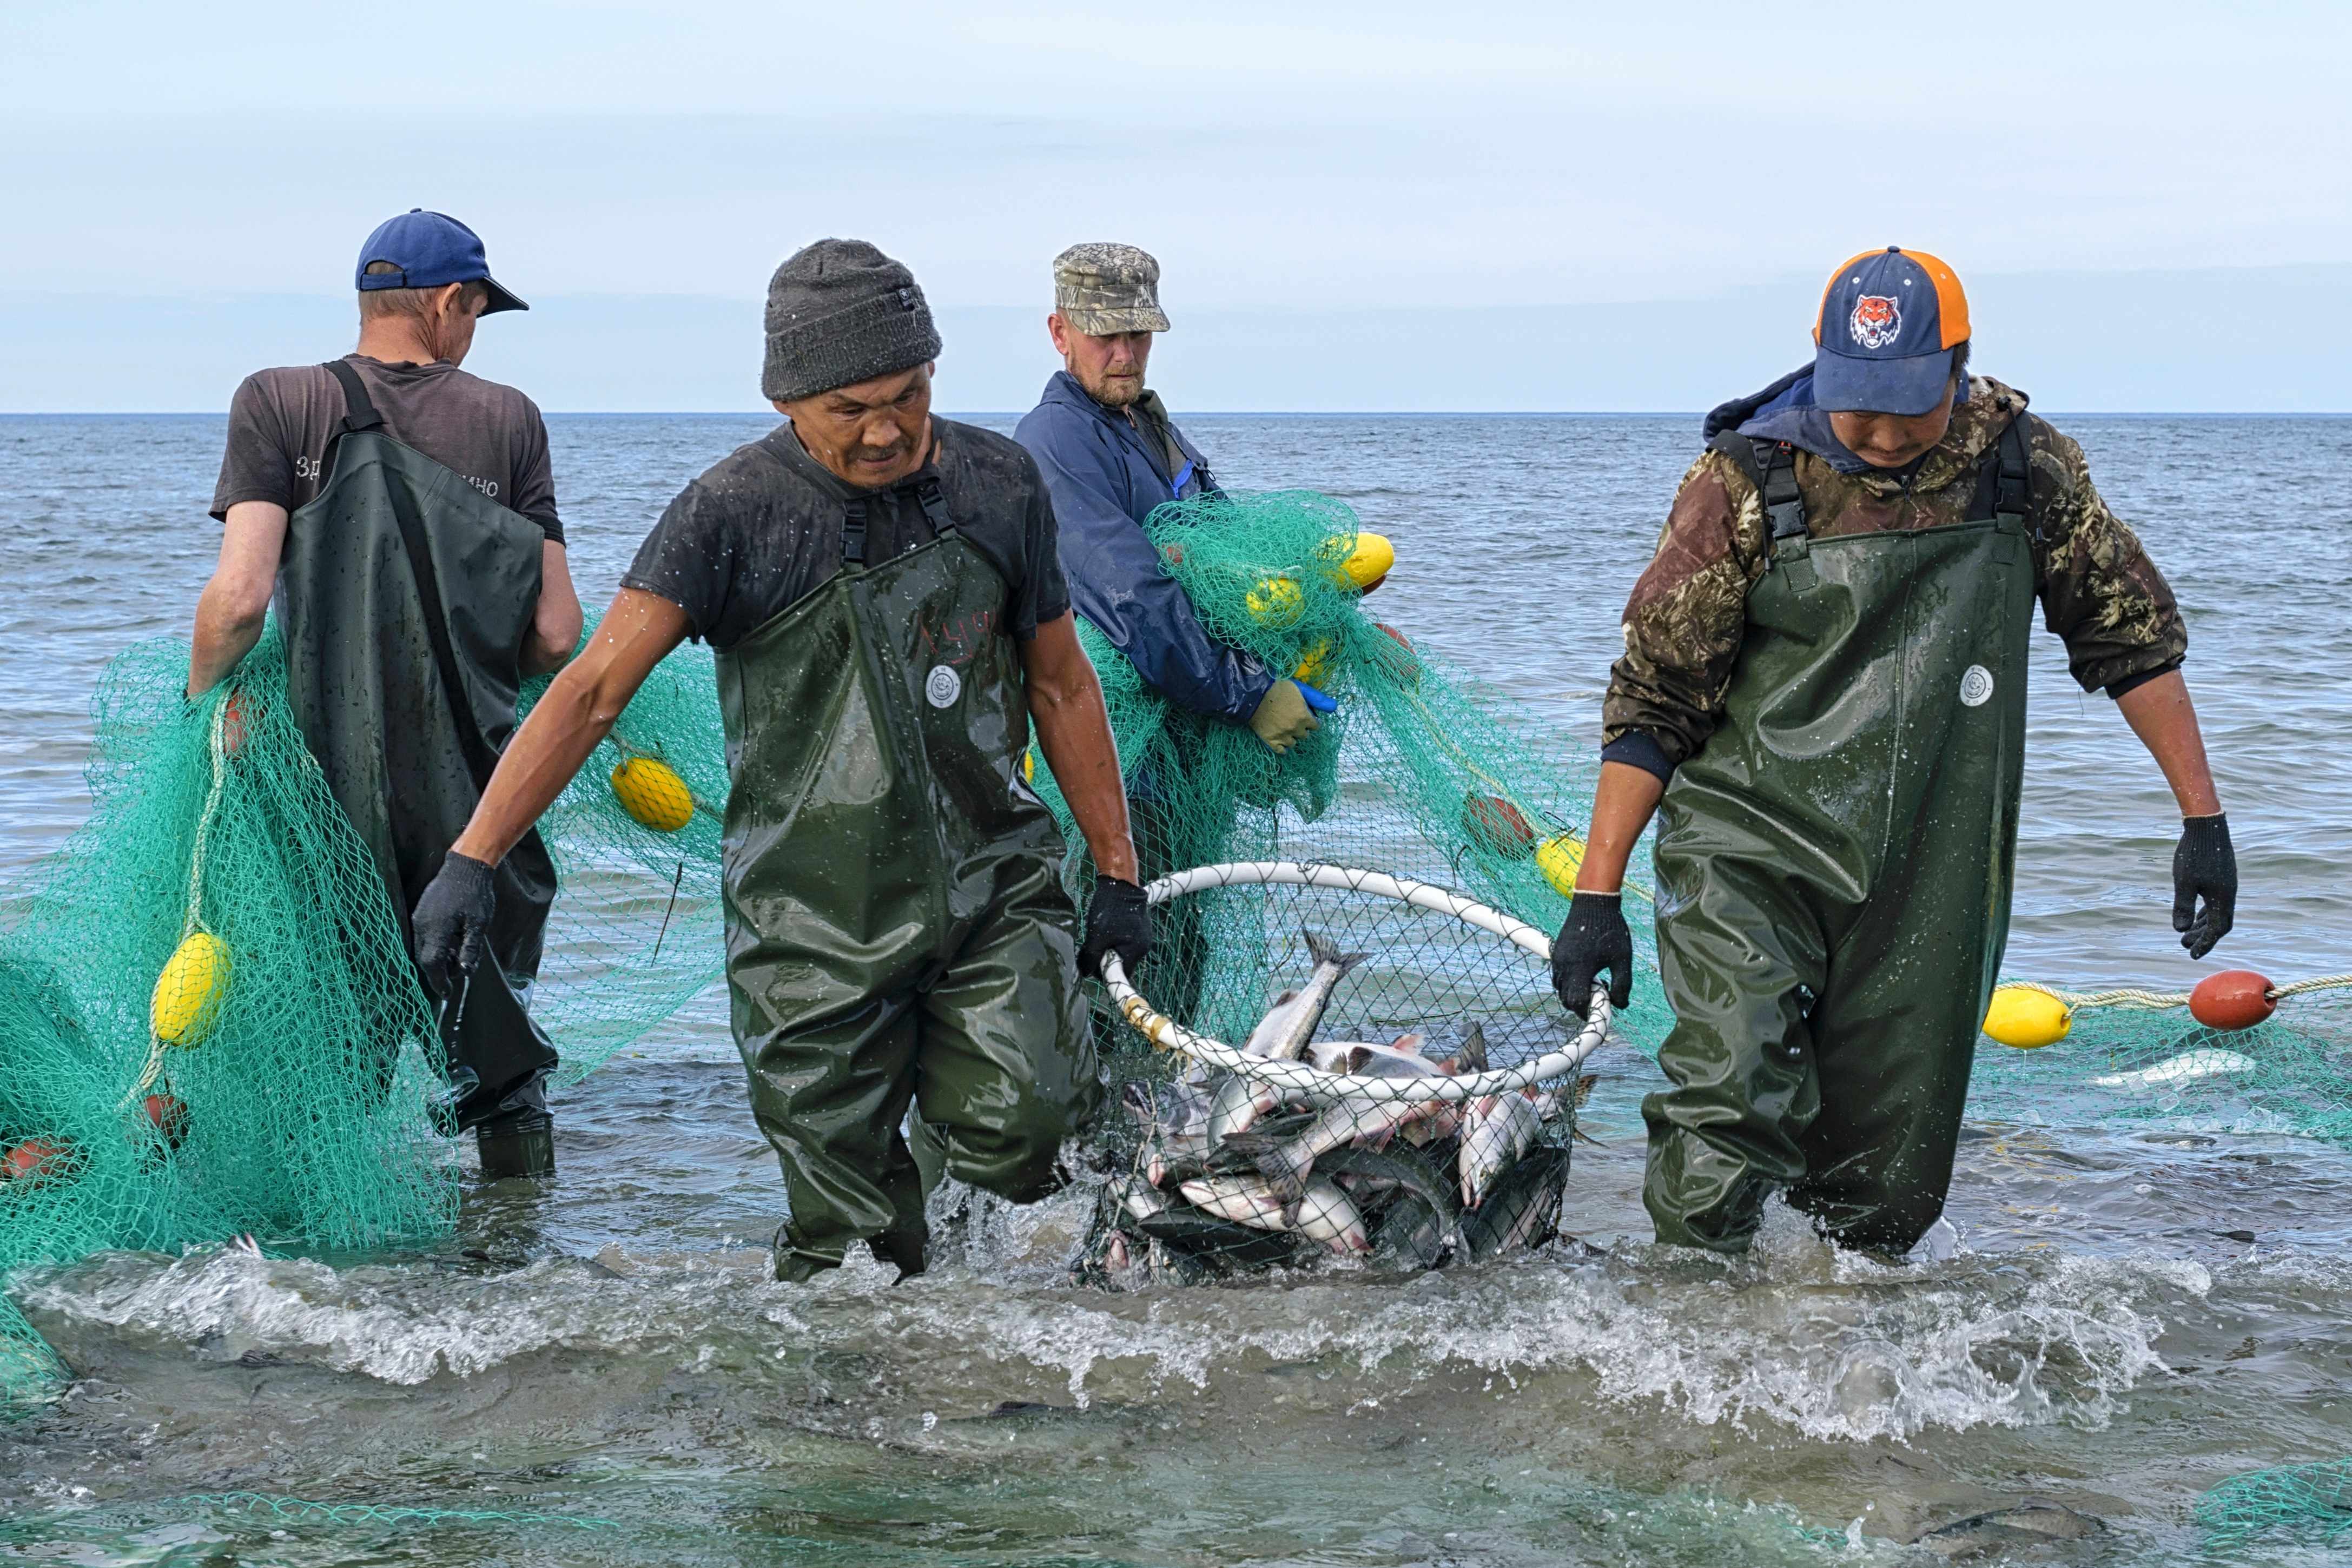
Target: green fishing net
301,1103
216,896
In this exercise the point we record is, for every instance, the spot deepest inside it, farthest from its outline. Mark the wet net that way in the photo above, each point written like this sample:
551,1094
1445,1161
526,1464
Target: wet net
2314,1501
285,1081
208,1023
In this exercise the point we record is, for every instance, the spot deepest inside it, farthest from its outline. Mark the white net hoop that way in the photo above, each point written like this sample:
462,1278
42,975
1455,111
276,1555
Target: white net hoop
1299,1081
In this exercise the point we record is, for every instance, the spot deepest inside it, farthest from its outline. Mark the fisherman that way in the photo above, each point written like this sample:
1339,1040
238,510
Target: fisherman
1111,455
882,591
401,515
1824,677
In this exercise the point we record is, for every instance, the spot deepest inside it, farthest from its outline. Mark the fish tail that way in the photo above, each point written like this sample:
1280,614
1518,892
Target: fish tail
1473,1053
1323,950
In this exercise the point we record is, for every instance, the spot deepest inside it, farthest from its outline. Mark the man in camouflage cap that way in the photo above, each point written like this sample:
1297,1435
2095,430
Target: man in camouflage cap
1824,680
1111,455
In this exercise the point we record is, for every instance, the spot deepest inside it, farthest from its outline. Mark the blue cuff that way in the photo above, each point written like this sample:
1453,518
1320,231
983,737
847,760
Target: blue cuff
1640,748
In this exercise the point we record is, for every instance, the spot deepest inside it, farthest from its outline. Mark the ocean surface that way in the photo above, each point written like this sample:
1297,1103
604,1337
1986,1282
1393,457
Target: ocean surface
2132,1316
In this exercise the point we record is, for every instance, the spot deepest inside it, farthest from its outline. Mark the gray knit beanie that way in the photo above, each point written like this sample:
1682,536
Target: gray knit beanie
839,312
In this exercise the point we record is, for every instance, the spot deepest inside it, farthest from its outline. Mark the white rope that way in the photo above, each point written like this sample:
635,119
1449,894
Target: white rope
2135,998
1297,1080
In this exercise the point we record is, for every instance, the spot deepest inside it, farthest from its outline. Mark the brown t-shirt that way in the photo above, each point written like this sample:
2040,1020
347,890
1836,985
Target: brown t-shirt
280,421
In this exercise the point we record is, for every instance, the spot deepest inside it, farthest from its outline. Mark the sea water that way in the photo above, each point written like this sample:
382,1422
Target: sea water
604,1355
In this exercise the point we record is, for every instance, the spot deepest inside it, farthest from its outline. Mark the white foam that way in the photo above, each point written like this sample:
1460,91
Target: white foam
1833,1347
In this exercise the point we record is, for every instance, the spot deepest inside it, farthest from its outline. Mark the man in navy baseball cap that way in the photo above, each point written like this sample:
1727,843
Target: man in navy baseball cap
426,250
1890,321
336,481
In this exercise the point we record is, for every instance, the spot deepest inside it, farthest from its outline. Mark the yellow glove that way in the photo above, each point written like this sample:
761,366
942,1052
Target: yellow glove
1282,719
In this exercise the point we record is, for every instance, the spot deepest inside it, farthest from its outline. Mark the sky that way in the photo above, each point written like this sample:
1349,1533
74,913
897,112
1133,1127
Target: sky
1373,205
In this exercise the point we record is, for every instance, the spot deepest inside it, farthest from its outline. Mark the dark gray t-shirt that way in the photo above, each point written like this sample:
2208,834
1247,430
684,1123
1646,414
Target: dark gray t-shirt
762,528
280,421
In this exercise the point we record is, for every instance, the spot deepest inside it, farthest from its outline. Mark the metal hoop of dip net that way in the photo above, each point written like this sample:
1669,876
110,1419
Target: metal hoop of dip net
1298,1081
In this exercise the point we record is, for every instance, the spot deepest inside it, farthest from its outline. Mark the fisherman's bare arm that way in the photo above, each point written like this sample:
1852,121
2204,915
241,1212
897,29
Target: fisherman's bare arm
2161,714
1074,731
577,713
555,623
230,611
1622,808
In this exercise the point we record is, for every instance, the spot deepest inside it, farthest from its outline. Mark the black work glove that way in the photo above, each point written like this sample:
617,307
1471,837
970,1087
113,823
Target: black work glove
1117,921
2204,866
453,920
1593,937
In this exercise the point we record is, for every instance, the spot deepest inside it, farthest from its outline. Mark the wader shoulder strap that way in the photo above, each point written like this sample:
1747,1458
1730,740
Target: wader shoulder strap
480,760
1771,467
928,495
2005,480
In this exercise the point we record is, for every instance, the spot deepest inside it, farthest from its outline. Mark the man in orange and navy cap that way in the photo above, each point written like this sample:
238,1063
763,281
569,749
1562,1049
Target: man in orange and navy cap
1824,686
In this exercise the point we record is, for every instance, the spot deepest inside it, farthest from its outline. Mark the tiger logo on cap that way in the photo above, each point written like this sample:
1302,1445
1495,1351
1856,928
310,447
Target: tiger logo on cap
1876,321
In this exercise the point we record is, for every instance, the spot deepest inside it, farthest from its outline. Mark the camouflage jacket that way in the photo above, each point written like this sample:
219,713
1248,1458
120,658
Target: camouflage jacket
1687,616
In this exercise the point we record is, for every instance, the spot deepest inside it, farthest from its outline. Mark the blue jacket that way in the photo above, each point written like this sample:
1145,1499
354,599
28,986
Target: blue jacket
1105,482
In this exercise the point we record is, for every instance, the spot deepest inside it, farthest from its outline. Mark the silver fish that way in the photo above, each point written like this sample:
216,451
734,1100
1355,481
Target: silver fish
1324,1213
1522,1210
1271,1027
1348,1122
1496,1131
1239,1102
2206,1061
1306,1015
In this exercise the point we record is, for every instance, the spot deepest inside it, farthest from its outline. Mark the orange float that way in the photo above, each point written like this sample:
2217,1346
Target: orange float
2235,998
36,1160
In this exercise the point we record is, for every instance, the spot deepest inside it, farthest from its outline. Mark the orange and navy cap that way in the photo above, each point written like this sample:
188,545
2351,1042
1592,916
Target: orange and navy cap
1889,321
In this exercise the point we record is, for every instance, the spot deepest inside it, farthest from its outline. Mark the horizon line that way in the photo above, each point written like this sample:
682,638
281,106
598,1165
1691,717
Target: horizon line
1233,414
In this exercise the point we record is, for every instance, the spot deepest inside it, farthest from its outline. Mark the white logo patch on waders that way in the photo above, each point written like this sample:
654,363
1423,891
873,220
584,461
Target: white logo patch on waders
945,686
1976,686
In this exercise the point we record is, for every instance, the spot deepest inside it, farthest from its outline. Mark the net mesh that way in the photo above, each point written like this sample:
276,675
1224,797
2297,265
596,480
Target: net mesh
293,1076
2315,1498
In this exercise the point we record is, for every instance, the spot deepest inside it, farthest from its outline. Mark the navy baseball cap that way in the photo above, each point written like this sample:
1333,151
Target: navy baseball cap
1883,344
430,249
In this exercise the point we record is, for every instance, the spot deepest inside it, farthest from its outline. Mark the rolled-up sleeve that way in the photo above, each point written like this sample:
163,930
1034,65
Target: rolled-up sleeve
1115,576
2100,589
1685,622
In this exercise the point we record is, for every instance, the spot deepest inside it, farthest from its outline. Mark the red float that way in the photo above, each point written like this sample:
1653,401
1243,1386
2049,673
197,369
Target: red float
1402,664
2235,998
34,1160
232,728
169,1115
1495,825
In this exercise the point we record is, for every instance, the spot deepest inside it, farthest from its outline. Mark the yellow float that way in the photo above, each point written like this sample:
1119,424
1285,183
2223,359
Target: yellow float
1559,858
1315,668
1276,602
187,997
1372,560
653,793
2026,1019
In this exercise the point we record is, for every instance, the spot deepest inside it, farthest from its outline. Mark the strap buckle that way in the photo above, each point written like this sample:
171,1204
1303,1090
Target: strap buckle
853,531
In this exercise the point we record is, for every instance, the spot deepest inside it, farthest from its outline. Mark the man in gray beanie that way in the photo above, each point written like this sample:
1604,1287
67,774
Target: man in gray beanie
883,593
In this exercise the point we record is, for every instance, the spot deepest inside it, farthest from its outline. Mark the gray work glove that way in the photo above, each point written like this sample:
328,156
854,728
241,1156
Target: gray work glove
453,920
2204,866
1283,719
1594,937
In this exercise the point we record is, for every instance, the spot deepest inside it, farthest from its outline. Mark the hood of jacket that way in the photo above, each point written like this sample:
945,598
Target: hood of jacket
1785,411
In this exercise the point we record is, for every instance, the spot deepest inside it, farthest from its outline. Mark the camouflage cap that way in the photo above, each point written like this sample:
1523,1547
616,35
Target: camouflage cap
1102,289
